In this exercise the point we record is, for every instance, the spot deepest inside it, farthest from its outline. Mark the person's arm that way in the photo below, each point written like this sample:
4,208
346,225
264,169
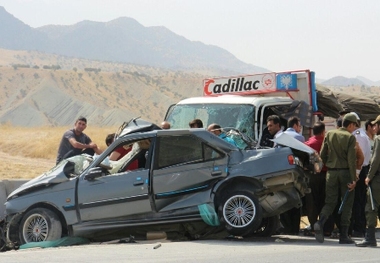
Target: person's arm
79,145
351,157
375,161
359,156
324,150
114,156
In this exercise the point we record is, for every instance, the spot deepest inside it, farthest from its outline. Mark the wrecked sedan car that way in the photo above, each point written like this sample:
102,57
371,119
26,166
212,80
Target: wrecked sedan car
183,175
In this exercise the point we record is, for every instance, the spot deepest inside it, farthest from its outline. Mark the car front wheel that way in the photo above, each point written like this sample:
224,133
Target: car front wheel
40,224
240,212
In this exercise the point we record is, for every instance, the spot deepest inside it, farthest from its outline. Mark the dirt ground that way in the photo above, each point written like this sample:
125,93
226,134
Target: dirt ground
20,167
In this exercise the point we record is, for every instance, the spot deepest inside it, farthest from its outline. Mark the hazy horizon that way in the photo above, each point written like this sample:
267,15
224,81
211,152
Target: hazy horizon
332,38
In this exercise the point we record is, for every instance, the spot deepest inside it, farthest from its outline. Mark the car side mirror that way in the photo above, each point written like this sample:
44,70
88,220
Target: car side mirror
94,173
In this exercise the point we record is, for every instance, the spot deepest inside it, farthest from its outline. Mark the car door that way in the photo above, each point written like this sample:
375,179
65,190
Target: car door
184,168
114,195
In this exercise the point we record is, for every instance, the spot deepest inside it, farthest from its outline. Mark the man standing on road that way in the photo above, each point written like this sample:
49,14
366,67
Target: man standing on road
373,197
315,200
358,221
75,142
338,154
291,219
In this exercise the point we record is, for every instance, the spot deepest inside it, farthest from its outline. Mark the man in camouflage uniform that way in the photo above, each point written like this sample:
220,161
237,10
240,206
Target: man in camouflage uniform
373,182
338,154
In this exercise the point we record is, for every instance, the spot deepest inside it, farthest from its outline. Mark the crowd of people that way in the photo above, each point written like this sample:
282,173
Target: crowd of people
340,191
345,193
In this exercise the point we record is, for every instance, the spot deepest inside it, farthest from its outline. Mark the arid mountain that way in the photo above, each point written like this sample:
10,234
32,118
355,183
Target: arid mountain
39,89
121,40
343,81
34,93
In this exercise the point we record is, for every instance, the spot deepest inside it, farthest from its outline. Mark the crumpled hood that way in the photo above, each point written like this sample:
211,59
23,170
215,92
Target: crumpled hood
286,140
55,176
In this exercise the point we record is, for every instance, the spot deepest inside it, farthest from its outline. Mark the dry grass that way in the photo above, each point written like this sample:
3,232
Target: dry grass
27,152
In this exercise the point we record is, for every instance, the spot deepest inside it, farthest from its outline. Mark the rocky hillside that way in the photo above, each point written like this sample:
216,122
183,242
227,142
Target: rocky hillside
40,89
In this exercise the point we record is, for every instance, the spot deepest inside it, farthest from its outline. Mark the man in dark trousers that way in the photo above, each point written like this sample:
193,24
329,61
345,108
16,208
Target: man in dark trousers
358,221
373,197
315,200
338,154
291,219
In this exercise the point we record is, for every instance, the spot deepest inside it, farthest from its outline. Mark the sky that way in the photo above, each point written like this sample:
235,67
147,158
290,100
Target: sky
330,37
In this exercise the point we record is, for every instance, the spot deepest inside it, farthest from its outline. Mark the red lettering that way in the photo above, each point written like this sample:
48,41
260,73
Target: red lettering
205,88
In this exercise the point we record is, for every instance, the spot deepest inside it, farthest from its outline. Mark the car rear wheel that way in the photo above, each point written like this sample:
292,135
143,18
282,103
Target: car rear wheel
267,227
240,212
40,224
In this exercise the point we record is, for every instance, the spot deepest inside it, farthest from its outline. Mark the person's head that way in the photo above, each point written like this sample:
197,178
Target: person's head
339,122
295,123
358,118
369,127
80,124
196,123
215,129
165,125
273,124
110,138
350,121
376,124
319,129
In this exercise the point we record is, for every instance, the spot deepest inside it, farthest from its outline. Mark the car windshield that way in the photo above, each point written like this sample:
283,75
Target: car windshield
80,163
240,117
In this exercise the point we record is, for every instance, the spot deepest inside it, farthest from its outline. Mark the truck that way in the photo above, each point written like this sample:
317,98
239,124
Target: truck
244,102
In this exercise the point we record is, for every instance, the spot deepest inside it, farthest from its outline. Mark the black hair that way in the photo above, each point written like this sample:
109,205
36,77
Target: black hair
318,128
274,118
369,123
110,138
339,122
294,120
81,118
346,123
197,122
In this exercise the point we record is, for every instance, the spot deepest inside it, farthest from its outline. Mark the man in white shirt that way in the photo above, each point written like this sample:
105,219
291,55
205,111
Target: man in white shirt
358,221
294,128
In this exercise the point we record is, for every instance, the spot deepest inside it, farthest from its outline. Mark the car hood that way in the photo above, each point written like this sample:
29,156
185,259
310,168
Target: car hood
289,141
54,176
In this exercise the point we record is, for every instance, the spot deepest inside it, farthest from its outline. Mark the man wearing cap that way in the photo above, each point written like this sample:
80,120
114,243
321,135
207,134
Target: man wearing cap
338,154
373,197
358,222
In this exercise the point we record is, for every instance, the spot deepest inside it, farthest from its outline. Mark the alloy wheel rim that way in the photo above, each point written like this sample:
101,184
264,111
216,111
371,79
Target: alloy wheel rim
35,228
239,211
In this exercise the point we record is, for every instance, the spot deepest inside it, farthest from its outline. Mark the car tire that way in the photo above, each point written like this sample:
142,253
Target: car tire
40,224
240,213
267,227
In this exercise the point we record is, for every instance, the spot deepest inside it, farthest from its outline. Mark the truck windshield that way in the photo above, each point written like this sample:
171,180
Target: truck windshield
241,117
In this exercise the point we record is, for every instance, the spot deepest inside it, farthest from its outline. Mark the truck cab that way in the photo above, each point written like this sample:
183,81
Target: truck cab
244,103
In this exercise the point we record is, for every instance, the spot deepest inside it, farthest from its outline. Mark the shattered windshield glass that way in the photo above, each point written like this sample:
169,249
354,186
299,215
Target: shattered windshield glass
240,117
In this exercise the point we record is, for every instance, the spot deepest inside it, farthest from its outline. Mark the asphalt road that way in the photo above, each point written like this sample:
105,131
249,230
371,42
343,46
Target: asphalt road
274,249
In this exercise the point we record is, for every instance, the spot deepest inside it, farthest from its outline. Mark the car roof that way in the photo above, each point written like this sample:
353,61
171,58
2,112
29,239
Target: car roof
147,128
